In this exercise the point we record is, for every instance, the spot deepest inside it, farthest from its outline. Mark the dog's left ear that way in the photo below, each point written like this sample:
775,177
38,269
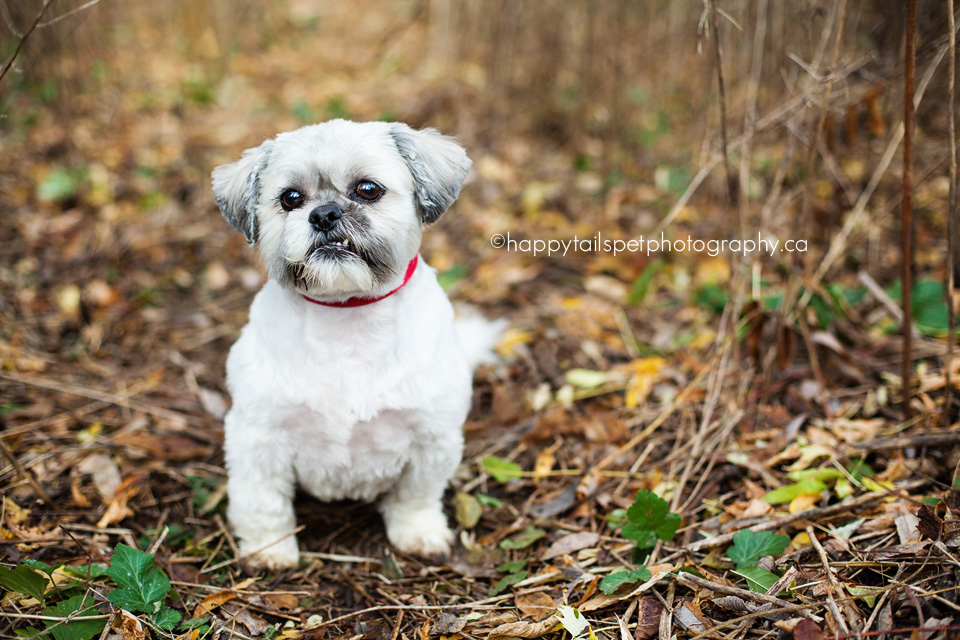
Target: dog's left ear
236,188
438,165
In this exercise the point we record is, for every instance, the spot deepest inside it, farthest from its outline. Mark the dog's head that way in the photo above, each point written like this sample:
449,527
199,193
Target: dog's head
336,209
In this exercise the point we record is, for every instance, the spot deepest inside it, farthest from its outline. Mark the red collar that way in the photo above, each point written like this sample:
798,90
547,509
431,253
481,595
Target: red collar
362,302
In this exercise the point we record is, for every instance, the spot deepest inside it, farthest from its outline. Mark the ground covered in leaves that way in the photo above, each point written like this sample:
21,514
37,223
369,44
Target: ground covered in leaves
663,450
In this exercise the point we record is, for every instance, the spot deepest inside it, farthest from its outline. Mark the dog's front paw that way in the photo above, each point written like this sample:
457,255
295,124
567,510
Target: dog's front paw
421,533
276,557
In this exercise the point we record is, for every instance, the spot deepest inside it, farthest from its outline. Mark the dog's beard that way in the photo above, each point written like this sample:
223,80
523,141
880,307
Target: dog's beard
348,260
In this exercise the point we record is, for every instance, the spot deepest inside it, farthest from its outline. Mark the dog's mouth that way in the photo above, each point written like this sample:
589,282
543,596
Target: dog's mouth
333,247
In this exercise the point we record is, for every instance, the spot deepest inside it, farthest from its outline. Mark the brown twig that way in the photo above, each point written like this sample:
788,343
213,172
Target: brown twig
760,598
953,224
849,611
906,218
23,38
902,442
846,505
718,59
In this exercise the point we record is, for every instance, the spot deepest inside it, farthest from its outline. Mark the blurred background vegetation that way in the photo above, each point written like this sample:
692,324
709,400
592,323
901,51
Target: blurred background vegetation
580,116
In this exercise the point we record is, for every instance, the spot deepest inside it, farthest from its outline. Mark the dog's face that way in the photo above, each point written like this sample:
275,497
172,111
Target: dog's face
337,209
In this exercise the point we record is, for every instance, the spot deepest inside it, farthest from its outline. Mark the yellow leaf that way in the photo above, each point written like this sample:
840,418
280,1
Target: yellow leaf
808,454
801,540
642,381
803,502
507,347
544,463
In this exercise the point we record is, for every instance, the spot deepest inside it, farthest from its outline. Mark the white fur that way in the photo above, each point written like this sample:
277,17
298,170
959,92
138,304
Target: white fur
360,403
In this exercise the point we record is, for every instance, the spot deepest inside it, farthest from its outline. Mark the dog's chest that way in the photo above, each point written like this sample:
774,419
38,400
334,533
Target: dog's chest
356,461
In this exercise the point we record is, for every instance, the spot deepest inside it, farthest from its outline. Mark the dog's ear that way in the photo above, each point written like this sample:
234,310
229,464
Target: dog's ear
438,165
236,187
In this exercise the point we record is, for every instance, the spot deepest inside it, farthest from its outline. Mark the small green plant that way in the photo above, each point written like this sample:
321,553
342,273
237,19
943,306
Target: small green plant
648,519
747,550
139,588
749,546
515,573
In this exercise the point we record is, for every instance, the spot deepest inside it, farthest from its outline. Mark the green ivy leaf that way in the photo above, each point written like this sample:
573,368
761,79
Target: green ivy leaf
523,539
650,514
758,579
80,606
512,566
23,579
508,581
166,618
501,470
749,546
142,588
619,578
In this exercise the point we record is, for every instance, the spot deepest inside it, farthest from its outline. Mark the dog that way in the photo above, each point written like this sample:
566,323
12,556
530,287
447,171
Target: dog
351,379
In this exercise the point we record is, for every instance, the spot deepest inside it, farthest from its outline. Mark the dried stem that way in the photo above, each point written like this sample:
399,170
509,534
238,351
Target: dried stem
953,225
906,219
23,38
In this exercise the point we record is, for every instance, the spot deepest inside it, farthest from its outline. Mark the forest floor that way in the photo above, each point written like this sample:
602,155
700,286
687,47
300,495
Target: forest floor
778,489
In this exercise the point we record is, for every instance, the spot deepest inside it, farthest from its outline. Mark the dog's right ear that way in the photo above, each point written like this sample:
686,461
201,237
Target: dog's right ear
236,187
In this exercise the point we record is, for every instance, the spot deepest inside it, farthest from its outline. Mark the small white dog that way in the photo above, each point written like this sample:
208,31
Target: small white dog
350,378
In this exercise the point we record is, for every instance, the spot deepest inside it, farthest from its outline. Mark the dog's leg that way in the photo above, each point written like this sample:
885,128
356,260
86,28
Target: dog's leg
260,488
412,510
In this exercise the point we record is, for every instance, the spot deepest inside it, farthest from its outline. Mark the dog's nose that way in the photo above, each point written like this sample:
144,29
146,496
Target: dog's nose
324,217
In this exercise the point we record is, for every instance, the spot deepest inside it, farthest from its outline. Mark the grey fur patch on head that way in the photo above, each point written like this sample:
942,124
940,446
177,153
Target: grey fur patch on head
438,165
236,188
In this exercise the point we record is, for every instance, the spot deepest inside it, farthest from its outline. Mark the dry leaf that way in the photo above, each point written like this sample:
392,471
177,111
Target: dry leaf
648,618
571,543
535,606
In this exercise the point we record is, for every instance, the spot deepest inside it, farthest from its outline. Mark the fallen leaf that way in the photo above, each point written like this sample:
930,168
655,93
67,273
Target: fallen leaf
524,629
536,606
467,510
571,543
130,625
648,618
446,624
212,602
117,508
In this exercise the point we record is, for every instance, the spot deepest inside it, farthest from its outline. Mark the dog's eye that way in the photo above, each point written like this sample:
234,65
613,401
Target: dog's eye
291,199
369,191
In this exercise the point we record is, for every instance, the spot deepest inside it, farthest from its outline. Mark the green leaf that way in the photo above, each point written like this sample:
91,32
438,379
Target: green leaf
488,501
641,536
749,546
508,581
587,379
650,513
758,579
618,578
501,470
166,618
467,510
523,539
23,579
512,566
142,587
788,492
77,629
60,184
638,291
45,568
193,623
85,571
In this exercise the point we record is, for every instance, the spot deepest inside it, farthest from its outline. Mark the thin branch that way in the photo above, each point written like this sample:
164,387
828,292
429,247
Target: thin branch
23,39
906,219
953,225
